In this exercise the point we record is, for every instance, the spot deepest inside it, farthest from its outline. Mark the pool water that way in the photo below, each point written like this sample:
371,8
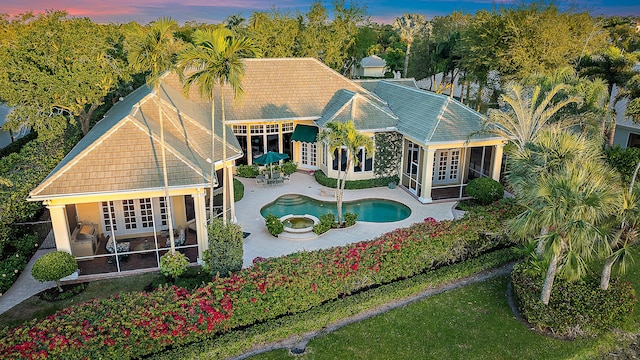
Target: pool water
371,210
298,223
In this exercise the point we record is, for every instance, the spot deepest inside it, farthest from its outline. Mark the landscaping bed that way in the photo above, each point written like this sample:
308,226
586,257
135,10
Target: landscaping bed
139,324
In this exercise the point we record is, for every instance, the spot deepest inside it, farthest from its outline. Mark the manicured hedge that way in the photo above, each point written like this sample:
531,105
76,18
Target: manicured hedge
322,179
576,309
137,324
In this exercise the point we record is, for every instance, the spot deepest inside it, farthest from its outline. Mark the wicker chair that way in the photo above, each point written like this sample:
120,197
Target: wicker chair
122,247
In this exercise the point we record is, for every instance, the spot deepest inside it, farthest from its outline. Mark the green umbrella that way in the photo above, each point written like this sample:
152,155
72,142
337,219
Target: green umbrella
269,158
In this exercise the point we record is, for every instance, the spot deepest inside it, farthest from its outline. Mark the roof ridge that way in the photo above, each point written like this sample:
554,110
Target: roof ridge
438,120
390,112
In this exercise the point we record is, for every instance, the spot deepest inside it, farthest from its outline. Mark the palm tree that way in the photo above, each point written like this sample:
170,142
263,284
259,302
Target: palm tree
409,26
616,68
216,60
525,113
566,200
155,52
344,137
618,248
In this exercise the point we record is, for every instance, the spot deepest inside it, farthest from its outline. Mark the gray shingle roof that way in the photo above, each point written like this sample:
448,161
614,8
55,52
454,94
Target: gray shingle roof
429,117
367,112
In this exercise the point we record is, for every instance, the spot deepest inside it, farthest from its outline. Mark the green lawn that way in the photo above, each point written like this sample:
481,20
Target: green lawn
473,322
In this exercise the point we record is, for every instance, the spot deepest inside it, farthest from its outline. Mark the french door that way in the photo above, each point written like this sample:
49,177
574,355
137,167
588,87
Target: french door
446,166
134,216
308,155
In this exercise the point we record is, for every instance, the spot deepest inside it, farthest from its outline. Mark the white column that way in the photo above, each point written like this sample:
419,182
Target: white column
427,176
199,205
60,227
232,200
497,162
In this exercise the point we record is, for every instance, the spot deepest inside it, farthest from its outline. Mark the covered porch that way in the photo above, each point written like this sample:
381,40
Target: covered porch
442,171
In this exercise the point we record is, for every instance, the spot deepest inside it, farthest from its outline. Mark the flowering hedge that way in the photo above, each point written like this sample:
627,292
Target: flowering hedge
137,324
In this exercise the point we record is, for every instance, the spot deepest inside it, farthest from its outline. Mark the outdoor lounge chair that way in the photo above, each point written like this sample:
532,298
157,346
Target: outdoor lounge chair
122,247
179,240
260,179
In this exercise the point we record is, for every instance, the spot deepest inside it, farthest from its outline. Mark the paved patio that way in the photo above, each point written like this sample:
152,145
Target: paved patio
261,243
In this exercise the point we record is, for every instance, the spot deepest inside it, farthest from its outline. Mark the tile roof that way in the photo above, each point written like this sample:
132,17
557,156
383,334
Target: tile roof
367,112
373,61
429,117
122,152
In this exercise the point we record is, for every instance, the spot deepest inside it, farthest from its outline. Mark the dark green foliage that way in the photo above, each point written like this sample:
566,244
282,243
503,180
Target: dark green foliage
193,278
238,190
576,309
247,171
224,255
350,219
623,160
485,190
388,154
274,225
322,179
327,221
10,268
17,145
54,266
289,167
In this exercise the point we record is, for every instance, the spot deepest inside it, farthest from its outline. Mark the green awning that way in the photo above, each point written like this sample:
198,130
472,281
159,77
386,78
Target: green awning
305,133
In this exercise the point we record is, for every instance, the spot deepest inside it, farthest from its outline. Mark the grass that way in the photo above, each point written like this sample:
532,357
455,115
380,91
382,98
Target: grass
471,322
34,308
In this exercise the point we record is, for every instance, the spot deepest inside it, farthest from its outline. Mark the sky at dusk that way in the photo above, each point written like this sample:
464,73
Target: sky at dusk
215,11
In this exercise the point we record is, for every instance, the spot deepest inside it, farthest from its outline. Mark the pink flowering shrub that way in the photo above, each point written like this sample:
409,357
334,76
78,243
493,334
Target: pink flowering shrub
138,324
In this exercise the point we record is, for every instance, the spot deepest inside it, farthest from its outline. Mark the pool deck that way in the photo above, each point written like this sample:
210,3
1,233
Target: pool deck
261,243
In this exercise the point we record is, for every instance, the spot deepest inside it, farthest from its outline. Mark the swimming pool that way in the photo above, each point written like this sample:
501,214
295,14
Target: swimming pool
371,210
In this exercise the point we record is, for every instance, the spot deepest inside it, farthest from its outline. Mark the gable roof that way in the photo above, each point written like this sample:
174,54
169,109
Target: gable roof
367,112
371,84
122,152
429,117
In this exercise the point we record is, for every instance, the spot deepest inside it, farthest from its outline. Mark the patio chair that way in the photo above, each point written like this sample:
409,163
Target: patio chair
179,240
277,179
122,247
260,179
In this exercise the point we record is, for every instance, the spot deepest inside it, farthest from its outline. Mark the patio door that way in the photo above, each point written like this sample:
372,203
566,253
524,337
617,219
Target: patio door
413,167
446,166
308,155
134,216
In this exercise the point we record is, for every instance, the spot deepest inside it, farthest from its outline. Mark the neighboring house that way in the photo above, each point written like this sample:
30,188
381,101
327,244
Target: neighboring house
7,136
371,66
113,178
627,132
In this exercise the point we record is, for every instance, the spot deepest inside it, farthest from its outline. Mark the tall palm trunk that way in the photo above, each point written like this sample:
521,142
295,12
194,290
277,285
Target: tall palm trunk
339,186
605,278
548,280
406,60
225,187
167,199
213,158
340,192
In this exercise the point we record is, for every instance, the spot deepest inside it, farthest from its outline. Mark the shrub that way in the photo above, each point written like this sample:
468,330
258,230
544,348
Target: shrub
238,190
322,179
10,268
224,254
173,264
327,221
274,225
136,325
623,160
193,278
350,219
247,171
575,309
485,190
289,167
54,266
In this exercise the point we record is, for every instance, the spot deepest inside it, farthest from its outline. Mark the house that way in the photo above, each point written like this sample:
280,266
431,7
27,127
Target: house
627,131
112,179
371,66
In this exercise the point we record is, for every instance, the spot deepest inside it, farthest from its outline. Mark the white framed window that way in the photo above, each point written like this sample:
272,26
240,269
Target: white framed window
239,129
257,129
364,163
109,216
272,128
287,127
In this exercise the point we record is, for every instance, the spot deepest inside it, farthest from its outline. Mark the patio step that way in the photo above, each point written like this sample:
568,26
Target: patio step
290,200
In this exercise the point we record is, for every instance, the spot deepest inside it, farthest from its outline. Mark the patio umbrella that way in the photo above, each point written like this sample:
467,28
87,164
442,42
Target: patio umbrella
269,158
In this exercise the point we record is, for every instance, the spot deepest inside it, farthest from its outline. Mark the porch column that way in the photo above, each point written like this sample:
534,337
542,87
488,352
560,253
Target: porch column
232,200
427,176
60,227
199,204
497,162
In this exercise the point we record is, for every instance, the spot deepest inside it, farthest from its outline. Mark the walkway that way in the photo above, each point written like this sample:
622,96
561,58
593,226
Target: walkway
260,242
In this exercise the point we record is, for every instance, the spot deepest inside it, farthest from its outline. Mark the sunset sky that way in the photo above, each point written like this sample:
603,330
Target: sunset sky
214,11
